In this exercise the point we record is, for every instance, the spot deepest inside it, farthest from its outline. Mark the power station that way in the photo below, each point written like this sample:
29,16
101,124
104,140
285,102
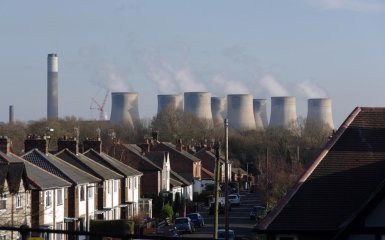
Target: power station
240,112
169,102
260,113
198,104
124,109
243,112
319,112
284,113
52,86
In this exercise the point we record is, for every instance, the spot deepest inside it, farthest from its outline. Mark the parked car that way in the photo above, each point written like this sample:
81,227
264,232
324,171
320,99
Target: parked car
222,234
257,212
234,199
184,224
221,208
197,219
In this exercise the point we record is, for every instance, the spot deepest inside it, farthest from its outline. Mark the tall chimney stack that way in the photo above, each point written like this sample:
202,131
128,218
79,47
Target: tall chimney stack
52,86
11,114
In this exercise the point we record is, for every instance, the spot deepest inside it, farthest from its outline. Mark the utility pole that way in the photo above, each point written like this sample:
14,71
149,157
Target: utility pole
216,188
227,179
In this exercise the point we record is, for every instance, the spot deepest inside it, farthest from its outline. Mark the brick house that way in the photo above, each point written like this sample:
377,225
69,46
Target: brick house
342,194
76,199
130,184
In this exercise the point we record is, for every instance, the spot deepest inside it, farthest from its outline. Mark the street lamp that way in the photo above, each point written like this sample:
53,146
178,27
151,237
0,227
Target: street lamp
247,178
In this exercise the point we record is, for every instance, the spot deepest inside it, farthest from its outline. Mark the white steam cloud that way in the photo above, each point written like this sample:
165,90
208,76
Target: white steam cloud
113,77
274,88
311,90
170,80
228,86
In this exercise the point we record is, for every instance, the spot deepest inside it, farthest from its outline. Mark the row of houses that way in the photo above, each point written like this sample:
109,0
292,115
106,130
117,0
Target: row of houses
65,189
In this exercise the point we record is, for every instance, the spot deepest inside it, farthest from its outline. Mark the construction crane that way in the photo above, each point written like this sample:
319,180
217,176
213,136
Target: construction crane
95,105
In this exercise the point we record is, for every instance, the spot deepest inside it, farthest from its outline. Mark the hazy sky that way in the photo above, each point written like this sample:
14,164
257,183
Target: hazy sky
303,48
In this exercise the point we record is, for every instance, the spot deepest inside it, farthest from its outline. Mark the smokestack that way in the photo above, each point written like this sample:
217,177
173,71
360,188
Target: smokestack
284,113
240,111
11,114
169,101
198,104
52,86
319,111
218,109
124,108
260,113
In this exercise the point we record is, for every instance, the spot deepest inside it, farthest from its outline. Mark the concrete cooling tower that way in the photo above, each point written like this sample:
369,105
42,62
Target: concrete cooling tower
124,109
240,112
219,110
284,113
319,111
169,101
260,113
52,86
199,104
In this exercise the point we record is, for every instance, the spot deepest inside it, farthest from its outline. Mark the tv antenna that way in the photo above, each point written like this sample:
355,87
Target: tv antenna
95,105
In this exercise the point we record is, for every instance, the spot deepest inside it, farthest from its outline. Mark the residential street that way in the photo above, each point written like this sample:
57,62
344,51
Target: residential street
239,219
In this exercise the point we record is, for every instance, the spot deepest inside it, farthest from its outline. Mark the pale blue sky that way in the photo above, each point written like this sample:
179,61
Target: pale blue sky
303,48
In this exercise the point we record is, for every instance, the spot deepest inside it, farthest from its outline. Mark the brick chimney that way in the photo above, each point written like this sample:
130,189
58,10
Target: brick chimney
93,143
69,143
179,145
33,141
5,144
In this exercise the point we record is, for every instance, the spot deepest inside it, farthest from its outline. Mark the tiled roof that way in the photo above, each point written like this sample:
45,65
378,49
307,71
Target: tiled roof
112,163
59,167
156,157
82,162
341,180
38,177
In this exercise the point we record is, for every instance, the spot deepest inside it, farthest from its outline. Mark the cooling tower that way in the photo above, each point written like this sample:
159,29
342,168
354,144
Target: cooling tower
169,101
52,86
219,110
124,109
199,104
240,112
319,111
284,113
260,113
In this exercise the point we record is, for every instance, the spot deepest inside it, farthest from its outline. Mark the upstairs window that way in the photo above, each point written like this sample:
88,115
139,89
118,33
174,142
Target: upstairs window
81,197
19,200
48,199
3,201
59,197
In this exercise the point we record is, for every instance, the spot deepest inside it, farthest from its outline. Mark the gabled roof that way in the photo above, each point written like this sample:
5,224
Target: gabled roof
341,180
37,177
59,167
182,152
157,157
112,163
82,162
13,172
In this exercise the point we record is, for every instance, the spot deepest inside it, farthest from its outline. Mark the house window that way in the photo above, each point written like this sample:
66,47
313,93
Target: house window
82,193
90,190
19,201
59,197
129,183
109,187
135,183
3,237
115,185
3,201
48,198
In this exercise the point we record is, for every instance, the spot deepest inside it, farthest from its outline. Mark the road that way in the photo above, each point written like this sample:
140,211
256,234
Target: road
239,219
